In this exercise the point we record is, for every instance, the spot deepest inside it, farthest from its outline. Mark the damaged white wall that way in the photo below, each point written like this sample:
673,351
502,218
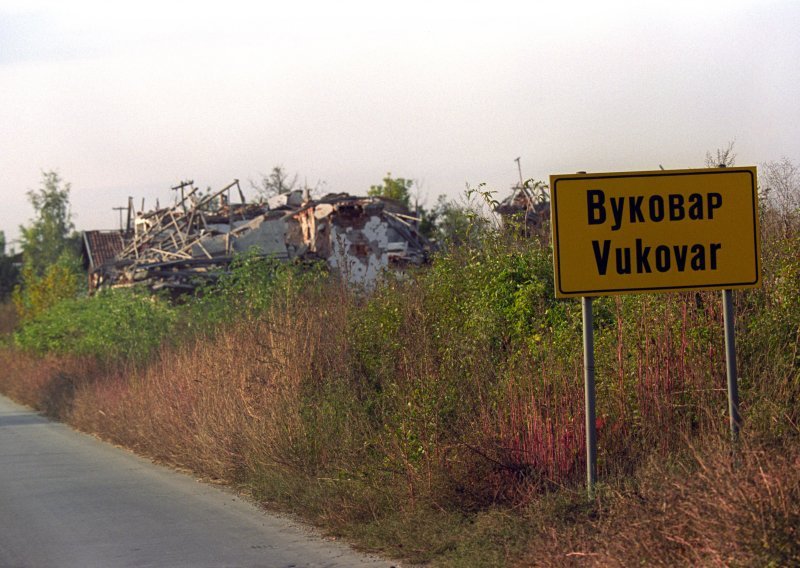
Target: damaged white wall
360,255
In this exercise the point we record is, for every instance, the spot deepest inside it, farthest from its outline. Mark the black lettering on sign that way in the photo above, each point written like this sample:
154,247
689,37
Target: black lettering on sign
636,209
664,257
714,202
595,198
676,212
601,257
642,262
673,207
623,260
714,250
699,258
617,205
695,206
656,208
681,253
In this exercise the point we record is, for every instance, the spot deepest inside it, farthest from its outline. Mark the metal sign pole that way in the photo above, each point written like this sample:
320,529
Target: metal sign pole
730,363
588,376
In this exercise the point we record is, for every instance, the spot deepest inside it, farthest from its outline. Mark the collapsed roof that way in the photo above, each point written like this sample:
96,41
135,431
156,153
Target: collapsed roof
193,241
529,207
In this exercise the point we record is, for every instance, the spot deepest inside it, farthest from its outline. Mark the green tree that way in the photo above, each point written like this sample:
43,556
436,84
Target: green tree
447,222
398,189
451,222
49,236
51,269
276,183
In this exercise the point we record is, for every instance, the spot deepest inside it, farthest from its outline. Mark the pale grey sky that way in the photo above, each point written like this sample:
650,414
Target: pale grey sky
128,98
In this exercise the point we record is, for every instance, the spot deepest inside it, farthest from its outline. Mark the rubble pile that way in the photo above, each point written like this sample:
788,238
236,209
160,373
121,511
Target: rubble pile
180,247
528,208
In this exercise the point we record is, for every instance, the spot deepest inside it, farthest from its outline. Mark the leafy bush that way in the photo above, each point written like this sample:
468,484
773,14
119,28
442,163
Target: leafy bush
120,323
768,328
131,324
246,290
37,294
448,352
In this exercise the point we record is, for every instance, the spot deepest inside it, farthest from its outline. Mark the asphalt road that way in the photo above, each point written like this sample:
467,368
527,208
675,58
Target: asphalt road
69,500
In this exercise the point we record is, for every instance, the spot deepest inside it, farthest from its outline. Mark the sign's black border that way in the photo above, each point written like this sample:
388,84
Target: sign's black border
608,291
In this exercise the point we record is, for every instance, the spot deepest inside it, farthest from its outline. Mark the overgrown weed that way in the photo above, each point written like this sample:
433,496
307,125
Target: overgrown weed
441,417
706,510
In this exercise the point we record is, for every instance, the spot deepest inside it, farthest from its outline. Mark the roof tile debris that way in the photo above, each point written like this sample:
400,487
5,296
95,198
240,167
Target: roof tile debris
101,247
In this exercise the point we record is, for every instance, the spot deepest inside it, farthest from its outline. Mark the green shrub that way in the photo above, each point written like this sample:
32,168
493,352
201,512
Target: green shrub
36,294
120,323
768,336
246,290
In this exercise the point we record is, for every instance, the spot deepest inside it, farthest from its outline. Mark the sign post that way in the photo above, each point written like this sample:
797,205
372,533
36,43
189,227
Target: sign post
654,231
730,363
589,391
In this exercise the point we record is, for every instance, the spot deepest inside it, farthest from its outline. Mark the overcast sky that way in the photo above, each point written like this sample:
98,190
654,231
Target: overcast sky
128,98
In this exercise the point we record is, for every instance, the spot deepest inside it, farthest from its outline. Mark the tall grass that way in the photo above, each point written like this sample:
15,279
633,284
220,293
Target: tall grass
704,510
8,319
452,393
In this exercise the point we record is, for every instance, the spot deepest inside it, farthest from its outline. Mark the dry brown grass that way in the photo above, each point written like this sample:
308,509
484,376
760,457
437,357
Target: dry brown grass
218,405
374,418
50,384
710,510
8,318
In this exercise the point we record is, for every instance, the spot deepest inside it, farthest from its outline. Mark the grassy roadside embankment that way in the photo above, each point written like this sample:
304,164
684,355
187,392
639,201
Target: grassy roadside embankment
441,418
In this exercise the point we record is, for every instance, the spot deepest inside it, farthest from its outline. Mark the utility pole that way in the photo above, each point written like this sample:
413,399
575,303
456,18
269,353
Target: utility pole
130,216
120,209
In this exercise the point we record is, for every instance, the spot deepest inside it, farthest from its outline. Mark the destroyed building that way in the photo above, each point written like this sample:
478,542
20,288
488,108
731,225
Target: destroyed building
528,209
100,248
180,247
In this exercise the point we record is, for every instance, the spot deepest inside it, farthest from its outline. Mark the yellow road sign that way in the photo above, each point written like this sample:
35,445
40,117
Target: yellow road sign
658,231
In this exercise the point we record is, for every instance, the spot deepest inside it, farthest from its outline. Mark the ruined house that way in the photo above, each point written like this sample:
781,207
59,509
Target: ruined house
193,241
100,248
528,209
